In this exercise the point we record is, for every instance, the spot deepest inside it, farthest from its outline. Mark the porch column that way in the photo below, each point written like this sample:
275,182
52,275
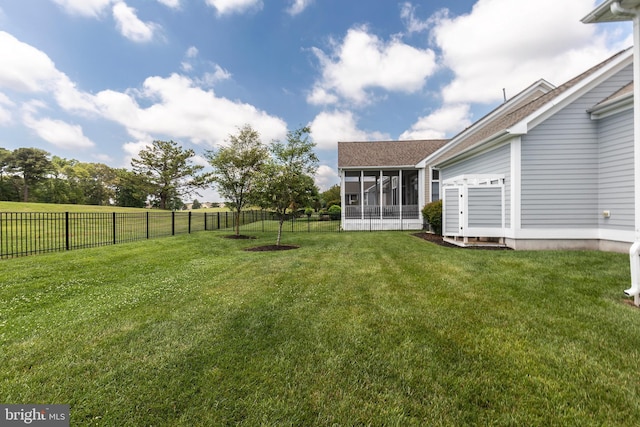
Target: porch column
400,190
362,195
380,183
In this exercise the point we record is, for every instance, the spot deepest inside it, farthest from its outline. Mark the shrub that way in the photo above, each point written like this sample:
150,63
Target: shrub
308,212
335,211
432,213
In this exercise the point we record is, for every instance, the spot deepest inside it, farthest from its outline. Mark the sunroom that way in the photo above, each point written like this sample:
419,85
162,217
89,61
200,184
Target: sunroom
382,186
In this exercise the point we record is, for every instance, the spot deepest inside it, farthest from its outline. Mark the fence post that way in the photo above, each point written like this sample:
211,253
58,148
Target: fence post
218,227
173,223
189,226
147,224
205,221
66,229
113,216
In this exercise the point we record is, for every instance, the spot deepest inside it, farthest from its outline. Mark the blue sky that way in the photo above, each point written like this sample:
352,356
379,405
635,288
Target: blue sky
96,80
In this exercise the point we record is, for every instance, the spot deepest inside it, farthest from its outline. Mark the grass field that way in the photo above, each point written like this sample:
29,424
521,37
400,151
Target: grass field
349,329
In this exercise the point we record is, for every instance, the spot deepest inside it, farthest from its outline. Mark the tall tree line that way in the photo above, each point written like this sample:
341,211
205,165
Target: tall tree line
33,175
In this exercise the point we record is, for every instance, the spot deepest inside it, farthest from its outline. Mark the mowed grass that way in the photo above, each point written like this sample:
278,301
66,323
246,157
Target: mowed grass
349,329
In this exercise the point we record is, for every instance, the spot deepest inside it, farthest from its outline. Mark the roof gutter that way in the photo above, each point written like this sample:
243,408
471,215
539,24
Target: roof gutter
618,10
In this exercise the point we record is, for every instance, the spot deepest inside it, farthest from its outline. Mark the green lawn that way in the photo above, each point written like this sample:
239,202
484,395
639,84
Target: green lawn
350,329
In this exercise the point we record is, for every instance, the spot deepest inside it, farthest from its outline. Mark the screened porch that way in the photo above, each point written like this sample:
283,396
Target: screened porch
381,199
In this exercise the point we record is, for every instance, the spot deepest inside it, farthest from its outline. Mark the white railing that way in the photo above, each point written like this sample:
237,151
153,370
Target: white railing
382,212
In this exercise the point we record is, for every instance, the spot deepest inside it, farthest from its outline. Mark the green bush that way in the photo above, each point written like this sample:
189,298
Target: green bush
308,212
335,212
432,213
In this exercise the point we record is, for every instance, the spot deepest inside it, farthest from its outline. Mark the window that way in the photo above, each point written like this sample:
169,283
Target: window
435,185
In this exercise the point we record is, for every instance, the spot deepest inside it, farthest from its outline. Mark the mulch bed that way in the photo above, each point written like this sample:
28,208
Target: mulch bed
268,248
434,238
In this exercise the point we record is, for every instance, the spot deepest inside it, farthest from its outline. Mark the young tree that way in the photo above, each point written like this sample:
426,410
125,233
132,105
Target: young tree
32,164
169,171
285,181
235,168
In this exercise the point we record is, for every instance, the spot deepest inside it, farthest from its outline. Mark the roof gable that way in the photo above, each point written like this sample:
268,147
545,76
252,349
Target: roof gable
513,119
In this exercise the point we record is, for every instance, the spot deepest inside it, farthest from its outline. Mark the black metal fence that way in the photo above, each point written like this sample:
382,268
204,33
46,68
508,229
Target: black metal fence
28,233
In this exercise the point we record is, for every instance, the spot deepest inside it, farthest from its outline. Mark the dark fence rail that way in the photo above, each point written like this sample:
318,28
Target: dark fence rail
28,233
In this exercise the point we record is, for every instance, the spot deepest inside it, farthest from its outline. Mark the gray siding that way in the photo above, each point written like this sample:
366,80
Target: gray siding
496,161
560,164
452,216
485,205
616,190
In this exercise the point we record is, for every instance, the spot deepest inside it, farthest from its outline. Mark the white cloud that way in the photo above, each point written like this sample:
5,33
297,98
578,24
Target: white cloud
130,26
330,127
6,116
219,74
182,110
326,177
174,4
508,44
363,62
57,132
413,24
234,6
25,68
298,6
192,52
320,96
91,8
440,124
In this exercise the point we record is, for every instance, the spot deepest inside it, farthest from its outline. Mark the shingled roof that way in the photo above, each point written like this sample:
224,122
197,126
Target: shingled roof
358,154
474,135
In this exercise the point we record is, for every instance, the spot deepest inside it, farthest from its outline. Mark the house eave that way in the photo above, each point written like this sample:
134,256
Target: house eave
487,143
612,107
605,13
378,167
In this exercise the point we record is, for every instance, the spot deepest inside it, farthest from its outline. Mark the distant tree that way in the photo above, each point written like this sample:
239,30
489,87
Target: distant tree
285,180
7,191
235,168
169,172
32,165
196,204
331,196
130,189
97,183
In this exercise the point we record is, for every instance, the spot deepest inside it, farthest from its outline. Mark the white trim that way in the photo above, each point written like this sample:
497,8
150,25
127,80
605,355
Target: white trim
516,183
475,180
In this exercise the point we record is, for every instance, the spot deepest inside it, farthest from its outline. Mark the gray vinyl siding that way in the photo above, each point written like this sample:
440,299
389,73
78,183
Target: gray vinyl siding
560,164
452,216
616,190
496,161
485,205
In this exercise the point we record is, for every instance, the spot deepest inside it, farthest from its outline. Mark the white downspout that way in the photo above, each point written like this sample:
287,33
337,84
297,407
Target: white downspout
634,290
634,251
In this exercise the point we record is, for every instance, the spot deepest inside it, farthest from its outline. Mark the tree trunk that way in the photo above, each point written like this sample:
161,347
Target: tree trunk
281,223
237,215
